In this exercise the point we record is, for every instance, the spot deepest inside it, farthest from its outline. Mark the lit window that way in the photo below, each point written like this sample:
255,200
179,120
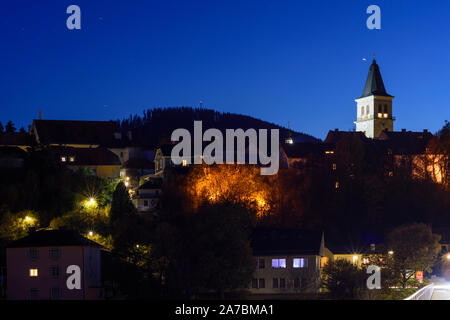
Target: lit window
391,173
336,185
279,263
334,166
63,159
366,260
33,272
380,115
72,159
385,115
299,263
184,163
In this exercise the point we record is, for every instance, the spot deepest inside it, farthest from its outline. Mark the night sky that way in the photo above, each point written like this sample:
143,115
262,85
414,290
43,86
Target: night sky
281,61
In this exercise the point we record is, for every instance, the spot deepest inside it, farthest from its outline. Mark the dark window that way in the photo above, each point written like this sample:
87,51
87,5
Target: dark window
262,263
55,293
385,108
34,294
54,253
275,283
33,253
297,283
54,272
282,283
145,203
262,283
255,283
379,108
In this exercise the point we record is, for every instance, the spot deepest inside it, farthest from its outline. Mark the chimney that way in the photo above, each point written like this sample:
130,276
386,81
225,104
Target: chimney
336,130
425,130
40,114
130,137
403,130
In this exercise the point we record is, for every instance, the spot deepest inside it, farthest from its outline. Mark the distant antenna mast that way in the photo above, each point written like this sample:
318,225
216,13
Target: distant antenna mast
201,104
289,138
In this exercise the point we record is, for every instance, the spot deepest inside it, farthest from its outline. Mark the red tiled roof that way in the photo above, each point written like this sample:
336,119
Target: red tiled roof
77,132
87,156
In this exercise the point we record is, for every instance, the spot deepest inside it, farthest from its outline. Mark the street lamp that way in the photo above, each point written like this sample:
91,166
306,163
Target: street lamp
391,252
91,233
448,256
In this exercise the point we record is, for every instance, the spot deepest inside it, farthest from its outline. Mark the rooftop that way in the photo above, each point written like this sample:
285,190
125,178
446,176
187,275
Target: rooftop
277,241
49,238
374,83
78,132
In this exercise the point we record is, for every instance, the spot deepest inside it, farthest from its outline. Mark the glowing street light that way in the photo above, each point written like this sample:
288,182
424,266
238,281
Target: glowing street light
28,219
91,202
448,256
91,233
391,252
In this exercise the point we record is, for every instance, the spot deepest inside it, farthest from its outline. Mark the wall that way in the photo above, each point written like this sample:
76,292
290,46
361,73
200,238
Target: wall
309,275
19,281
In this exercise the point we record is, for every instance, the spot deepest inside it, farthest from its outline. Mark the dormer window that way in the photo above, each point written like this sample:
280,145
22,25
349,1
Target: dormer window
72,159
63,159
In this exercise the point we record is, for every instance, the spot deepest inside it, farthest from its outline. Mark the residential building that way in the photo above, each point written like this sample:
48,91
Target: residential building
135,168
101,161
288,262
37,267
146,197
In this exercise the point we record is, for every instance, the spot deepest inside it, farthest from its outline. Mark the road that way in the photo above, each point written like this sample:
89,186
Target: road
441,290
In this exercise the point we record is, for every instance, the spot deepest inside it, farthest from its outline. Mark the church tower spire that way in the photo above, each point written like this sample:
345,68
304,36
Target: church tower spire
374,106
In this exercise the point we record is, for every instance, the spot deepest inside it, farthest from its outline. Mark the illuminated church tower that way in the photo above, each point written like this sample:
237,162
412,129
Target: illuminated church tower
374,106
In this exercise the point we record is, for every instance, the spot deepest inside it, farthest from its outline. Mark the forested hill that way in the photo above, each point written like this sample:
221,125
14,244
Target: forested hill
155,126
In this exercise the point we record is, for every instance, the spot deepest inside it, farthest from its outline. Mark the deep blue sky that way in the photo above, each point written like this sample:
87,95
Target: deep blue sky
296,61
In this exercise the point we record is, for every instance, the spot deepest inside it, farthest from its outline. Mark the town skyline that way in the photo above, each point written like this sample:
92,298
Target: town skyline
313,81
